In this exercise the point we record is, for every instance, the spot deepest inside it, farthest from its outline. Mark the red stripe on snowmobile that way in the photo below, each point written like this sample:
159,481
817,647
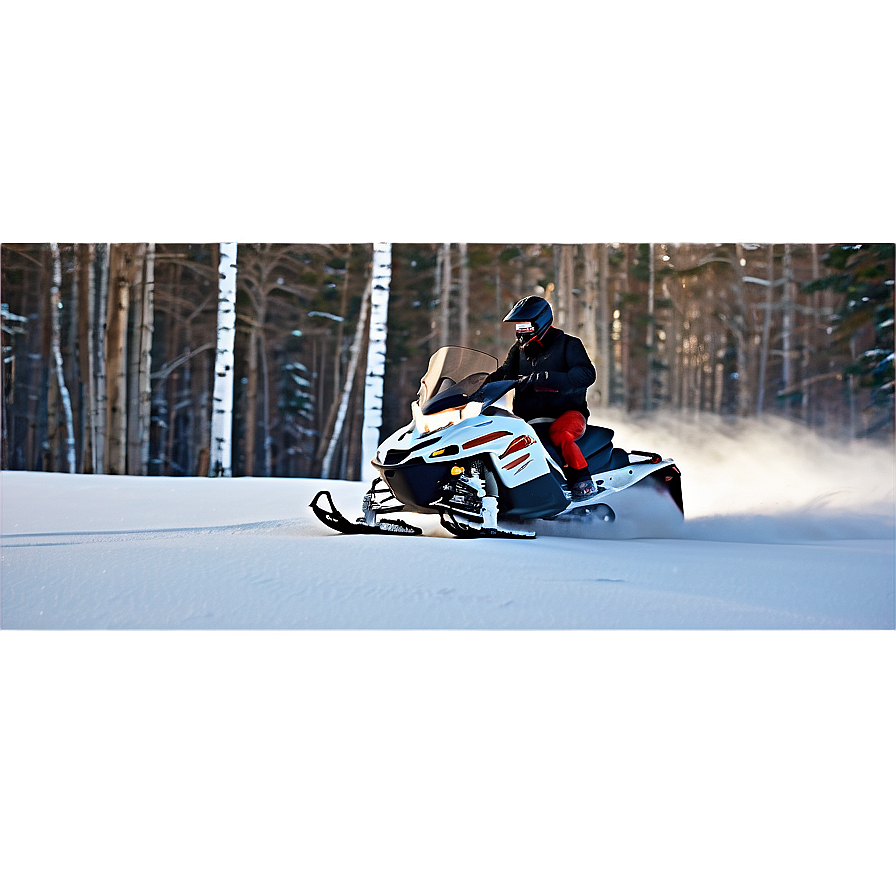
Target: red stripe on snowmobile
481,440
517,444
514,463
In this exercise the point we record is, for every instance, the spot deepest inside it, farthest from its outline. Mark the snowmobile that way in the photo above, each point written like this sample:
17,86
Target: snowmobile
488,473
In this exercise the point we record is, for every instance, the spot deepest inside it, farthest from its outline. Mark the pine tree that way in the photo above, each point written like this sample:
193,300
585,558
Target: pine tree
863,324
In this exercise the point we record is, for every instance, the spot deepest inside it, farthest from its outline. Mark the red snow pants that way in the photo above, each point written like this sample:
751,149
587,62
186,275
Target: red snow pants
564,431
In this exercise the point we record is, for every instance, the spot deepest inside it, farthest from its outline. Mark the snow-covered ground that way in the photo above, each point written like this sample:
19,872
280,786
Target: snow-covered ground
445,762
784,530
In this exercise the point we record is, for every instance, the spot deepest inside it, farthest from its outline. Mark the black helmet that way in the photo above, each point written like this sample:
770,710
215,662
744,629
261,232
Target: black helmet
535,311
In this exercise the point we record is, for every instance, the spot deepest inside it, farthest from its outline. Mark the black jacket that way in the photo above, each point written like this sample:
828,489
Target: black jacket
569,374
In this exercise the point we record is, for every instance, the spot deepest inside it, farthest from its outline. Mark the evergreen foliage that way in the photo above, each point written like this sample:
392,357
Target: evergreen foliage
862,326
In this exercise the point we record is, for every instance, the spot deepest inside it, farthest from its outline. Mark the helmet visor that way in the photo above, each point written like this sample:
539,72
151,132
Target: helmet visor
524,329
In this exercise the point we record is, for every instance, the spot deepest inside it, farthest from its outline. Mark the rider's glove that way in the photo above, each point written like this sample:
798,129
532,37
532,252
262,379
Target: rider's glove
533,380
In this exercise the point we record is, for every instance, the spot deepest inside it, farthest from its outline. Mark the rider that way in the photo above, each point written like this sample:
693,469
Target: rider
554,372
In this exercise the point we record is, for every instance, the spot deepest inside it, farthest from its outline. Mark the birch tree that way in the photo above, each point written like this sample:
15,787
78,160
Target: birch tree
376,353
221,447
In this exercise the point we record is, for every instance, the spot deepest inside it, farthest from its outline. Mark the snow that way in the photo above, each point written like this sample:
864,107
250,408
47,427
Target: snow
784,530
439,761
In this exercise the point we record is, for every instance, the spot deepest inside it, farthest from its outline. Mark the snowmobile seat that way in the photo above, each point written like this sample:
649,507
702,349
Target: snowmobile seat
618,460
596,444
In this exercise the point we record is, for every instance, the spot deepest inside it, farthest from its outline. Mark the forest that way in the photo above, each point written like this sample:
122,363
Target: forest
109,349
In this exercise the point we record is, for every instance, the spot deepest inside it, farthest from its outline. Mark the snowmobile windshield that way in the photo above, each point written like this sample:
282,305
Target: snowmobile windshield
454,374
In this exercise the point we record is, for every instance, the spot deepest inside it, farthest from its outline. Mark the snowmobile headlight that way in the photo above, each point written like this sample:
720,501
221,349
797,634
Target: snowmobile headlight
433,422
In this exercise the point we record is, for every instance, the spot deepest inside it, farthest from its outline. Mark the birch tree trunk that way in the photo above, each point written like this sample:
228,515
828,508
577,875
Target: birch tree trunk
116,360
354,354
463,304
86,314
221,447
64,396
376,353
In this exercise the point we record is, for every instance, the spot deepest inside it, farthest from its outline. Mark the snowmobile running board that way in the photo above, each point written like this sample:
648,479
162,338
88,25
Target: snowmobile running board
335,520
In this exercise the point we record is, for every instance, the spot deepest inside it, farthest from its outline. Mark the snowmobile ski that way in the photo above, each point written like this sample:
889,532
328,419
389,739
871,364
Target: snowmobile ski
335,520
461,529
